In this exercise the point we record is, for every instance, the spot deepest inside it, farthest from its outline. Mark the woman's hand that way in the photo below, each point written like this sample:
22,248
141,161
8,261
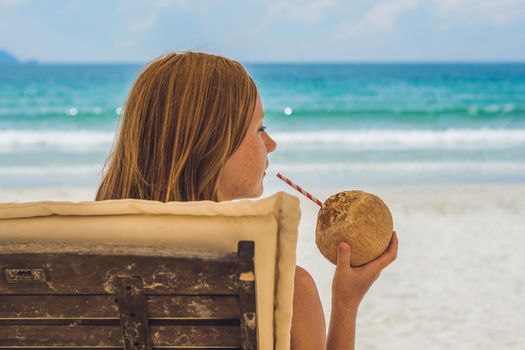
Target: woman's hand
350,284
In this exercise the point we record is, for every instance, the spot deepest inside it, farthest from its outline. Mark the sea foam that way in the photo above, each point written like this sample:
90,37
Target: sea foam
67,140
380,139
372,139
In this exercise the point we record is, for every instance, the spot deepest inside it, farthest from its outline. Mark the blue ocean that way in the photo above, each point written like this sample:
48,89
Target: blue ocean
336,125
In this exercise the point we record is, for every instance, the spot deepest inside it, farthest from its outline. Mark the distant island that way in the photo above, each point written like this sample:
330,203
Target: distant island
7,58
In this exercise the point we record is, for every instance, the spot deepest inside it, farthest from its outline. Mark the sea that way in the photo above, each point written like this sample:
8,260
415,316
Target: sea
336,125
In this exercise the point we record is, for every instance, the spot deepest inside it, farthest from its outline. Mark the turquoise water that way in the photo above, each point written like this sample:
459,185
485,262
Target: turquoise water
345,124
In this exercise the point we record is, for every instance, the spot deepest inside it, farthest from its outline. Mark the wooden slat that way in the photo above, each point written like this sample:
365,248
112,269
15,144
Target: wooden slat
133,314
58,306
61,335
246,289
183,336
111,336
116,321
86,348
95,274
104,306
220,347
184,306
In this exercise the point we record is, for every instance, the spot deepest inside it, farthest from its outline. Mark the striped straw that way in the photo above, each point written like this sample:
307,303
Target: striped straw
298,188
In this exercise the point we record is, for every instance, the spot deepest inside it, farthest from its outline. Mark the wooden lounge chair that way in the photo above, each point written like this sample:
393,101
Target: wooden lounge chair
127,298
135,274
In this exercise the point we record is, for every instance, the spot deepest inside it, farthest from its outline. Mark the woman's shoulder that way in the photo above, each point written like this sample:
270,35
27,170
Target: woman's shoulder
308,324
303,279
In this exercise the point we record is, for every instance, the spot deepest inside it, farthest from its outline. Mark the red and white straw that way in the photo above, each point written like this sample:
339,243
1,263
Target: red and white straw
298,188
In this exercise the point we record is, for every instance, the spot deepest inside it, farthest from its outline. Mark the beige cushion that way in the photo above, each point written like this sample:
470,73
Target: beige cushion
271,222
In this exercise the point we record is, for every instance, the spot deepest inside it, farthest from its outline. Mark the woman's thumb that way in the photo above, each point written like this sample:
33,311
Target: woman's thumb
343,254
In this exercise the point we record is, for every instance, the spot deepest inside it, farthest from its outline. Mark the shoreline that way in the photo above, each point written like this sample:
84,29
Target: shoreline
84,193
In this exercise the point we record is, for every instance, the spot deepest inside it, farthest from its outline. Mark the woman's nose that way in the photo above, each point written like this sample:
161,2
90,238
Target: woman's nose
270,143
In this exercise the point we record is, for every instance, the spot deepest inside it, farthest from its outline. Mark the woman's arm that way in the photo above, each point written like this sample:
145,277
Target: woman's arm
341,334
349,286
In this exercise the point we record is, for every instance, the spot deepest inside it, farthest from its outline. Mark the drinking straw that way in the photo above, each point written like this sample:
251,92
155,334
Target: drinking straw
298,188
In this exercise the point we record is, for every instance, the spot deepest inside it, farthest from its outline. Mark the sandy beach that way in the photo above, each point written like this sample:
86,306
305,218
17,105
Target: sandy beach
458,281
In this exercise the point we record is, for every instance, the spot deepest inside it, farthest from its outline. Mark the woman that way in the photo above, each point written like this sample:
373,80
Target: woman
192,129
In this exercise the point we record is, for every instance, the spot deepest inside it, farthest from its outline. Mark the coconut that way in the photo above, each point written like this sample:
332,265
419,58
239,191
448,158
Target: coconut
359,218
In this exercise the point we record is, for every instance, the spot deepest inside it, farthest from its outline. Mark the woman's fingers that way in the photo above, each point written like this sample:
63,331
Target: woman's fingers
387,257
343,255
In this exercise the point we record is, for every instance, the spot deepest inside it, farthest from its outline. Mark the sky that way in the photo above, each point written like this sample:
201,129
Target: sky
98,31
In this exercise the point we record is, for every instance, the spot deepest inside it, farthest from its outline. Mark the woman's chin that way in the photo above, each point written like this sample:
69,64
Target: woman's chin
259,192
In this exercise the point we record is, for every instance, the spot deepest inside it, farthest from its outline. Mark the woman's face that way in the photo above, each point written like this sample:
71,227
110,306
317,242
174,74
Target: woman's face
242,176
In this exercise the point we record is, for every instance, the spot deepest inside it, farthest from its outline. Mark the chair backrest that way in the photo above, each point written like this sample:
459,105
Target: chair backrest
140,299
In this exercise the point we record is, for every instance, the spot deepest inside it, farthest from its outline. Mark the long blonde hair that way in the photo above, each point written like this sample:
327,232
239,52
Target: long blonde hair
185,115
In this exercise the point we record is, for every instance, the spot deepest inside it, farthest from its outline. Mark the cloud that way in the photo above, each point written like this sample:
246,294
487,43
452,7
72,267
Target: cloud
170,3
497,12
6,9
381,18
145,24
145,18
12,3
311,12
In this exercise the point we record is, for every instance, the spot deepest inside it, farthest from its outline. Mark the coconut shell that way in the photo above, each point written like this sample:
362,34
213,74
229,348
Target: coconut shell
359,218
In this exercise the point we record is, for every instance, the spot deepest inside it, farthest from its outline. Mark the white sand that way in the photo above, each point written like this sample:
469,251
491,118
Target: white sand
458,282
459,279
32,194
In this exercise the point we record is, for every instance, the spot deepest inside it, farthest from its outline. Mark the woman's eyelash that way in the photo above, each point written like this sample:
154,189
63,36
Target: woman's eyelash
262,128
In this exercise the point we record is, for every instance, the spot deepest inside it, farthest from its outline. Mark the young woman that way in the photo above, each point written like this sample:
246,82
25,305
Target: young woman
192,129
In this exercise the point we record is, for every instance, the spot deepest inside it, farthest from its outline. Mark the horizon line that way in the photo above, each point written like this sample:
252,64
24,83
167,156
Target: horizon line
284,62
